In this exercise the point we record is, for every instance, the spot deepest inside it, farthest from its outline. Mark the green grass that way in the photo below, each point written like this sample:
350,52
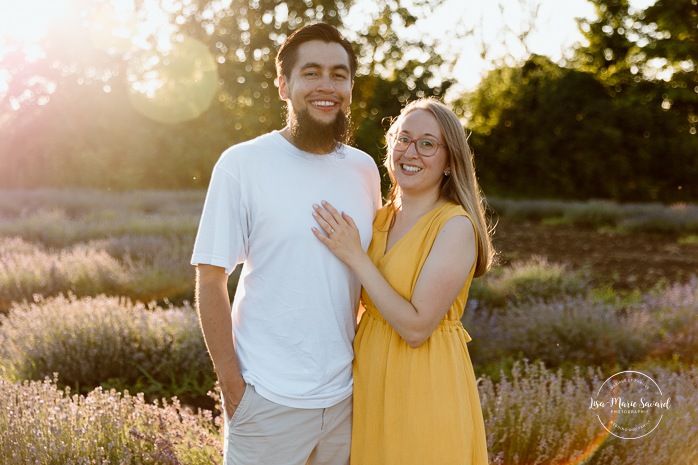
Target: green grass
689,239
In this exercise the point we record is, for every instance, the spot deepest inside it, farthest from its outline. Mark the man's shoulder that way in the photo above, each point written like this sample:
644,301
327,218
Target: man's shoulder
358,155
243,151
354,151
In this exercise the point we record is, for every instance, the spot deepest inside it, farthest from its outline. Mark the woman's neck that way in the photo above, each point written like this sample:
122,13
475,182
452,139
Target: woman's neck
413,207
410,209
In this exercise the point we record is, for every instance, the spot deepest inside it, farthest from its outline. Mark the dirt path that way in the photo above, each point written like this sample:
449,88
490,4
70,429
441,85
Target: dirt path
625,261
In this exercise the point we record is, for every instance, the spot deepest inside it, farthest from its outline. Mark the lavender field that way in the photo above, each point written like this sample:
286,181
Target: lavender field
102,360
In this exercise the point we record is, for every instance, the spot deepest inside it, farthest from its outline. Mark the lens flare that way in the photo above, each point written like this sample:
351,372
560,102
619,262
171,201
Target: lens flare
588,451
174,84
113,29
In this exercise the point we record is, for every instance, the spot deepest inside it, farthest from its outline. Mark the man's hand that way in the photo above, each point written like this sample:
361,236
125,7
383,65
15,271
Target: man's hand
232,395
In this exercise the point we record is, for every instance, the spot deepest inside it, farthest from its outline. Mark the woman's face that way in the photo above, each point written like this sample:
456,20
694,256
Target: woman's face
413,172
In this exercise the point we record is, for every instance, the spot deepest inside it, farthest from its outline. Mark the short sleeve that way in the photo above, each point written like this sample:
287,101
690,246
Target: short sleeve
376,183
222,237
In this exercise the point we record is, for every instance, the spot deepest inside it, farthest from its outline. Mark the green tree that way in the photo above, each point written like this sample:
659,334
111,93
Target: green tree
647,60
613,125
670,30
535,133
68,118
610,54
541,130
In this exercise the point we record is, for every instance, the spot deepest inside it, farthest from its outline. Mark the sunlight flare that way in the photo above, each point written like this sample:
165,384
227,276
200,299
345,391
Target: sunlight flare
176,85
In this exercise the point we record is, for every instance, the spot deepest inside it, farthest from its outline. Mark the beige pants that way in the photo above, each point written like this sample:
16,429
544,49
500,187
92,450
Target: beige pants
264,433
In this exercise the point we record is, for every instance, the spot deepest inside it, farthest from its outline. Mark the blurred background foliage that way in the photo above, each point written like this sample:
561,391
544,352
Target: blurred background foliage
100,107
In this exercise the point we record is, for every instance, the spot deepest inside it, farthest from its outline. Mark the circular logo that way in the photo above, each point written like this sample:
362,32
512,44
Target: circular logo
630,405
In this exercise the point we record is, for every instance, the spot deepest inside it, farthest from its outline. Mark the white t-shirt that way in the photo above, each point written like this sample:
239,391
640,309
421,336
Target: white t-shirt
294,308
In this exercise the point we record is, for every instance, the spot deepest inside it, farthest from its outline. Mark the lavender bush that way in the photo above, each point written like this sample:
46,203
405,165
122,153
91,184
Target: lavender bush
56,228
44,425
27,269
589,329
577,330
675,441
680,218
143,269
533,415
537,416
530,280
630,218
675,309
137,244
529,210
80,202
106,341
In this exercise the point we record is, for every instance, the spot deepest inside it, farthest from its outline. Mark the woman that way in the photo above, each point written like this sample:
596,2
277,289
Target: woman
415,394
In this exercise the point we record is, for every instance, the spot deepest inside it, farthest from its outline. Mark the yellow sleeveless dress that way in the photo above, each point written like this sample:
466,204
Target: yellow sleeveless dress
414,406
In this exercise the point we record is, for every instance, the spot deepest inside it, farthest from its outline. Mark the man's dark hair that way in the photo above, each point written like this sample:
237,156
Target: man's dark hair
286,58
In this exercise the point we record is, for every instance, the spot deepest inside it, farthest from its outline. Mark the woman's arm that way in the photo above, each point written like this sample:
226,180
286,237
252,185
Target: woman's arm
442,277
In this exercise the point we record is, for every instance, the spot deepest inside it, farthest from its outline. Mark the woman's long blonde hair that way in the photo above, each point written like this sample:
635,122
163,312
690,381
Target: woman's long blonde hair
461,185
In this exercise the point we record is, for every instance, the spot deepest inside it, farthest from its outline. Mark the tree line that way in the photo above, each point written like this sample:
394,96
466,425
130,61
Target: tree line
617,120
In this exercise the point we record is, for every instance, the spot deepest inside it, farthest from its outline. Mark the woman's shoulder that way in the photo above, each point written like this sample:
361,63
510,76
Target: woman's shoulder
453,214
457,216
450,209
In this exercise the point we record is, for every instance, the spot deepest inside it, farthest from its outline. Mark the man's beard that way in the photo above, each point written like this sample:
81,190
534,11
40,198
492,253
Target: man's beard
315,136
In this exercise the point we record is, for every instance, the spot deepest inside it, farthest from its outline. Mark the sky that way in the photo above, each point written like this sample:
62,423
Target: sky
554,35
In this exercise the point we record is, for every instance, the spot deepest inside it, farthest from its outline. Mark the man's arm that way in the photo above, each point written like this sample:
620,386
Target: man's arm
213,305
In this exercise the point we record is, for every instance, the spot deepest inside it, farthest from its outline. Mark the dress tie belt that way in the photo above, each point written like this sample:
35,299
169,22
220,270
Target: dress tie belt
445,324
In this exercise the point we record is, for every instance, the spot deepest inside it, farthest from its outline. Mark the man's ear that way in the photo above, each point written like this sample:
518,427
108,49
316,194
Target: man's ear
283,88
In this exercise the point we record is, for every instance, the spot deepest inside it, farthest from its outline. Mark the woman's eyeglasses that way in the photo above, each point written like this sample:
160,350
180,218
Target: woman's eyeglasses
425,146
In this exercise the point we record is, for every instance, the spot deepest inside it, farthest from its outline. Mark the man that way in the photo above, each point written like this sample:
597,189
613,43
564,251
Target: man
283,357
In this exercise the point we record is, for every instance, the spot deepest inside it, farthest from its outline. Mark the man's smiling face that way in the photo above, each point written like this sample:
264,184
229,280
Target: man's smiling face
320,81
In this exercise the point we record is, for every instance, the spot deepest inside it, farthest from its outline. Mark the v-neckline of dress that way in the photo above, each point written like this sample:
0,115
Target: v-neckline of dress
427,214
